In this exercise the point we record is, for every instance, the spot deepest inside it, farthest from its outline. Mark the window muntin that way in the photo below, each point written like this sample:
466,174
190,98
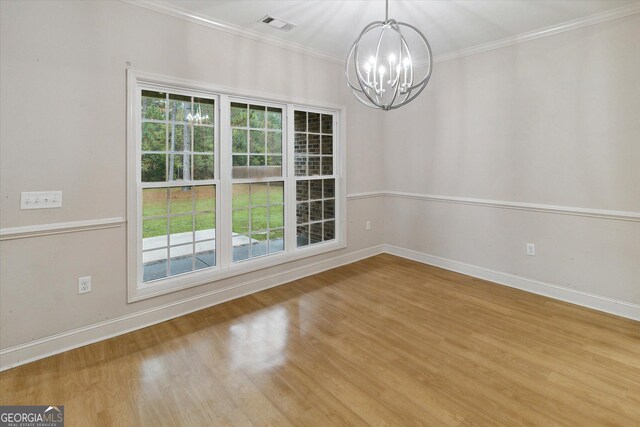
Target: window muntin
315,195
258,219
178,219
256,140
178,137
178,230
315,211
258,205
168,133
313,143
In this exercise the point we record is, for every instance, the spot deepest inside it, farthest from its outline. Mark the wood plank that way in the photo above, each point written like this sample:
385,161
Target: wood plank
384,341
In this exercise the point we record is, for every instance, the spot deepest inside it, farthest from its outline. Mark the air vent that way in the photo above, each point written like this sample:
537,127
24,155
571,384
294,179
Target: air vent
277,23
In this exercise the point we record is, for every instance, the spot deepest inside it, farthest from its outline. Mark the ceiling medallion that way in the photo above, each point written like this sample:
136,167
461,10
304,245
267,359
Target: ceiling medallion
389,73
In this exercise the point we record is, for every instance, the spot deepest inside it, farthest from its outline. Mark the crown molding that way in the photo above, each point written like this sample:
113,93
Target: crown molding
177,12
575,24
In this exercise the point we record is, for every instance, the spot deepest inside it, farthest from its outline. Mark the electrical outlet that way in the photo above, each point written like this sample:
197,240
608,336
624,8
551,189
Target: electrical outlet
84,285
531,249
367,225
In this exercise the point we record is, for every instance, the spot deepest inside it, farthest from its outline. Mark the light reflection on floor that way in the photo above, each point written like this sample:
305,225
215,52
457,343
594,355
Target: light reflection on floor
260,344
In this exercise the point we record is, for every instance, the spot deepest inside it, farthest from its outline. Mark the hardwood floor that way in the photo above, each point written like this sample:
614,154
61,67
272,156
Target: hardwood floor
384,341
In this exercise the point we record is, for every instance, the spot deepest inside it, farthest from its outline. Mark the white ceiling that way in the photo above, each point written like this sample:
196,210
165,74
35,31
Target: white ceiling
331,27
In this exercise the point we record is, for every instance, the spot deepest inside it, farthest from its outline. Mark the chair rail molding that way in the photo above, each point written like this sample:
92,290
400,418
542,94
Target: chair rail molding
503,204
12,233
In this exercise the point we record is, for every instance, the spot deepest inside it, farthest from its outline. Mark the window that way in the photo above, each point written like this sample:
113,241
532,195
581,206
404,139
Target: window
258,206
221,184
315,185
177,170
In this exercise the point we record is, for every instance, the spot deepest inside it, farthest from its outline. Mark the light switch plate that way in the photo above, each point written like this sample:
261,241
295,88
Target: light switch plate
40,199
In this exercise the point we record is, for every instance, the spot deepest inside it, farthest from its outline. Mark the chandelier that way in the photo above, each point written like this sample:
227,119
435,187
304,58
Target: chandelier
387,72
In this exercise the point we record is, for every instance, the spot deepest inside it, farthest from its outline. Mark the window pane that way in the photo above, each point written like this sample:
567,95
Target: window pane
276,192
179,137
239,161
329,188
241,221
302,235
302,212
276,216
179,167
315,210
155,229
205,226
238,114
153,168
274,142
276,240
259,244
257,141
153,105
302,190
241,195
315,191
181,228
239,141
274,118
181,200
300,143
154,137
259,218
327,145
257,209
300,165
169,213
327,166
154,265
329,230
257,160
202,167
259,194
315,233
313,145
154,202
300,121
329,209
203,139
205,198
313,165
256,116
327,123
314,122
204,111
181,259
275,163
205,254
179,108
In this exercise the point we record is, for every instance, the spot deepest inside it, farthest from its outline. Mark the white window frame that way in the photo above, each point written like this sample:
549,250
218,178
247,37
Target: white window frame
225,267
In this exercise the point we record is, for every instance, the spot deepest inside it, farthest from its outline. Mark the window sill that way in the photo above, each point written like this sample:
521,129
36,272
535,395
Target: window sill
177,283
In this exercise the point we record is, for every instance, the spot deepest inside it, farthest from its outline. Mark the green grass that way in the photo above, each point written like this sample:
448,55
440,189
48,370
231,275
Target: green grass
261,216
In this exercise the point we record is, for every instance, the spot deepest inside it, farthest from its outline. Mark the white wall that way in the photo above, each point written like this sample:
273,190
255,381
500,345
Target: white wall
554,121
63,128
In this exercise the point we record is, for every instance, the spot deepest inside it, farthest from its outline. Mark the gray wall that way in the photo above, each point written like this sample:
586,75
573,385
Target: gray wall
63,128
554,121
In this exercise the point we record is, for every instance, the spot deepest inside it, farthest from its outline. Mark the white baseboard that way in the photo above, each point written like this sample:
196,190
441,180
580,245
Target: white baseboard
48,346
597,302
